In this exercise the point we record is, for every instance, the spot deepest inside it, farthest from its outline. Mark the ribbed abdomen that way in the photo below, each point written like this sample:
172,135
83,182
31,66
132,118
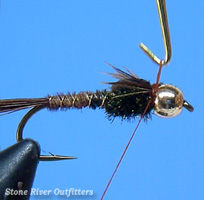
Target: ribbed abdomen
80,100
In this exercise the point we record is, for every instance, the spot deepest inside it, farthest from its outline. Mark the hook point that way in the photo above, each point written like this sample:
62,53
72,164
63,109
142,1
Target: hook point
55,157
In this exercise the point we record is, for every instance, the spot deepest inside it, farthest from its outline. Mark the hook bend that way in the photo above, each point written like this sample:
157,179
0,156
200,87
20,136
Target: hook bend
161,6
19,136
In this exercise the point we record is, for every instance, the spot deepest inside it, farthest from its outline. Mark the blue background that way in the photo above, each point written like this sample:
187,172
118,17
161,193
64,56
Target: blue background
58,46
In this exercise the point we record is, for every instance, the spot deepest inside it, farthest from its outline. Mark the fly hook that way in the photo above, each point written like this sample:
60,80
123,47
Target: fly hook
19,136
161,6
128,97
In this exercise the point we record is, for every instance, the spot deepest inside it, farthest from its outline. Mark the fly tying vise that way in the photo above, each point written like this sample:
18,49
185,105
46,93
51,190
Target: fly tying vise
127,98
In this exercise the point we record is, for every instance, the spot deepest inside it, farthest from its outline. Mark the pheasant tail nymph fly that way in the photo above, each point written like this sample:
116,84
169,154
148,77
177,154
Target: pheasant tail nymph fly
127,98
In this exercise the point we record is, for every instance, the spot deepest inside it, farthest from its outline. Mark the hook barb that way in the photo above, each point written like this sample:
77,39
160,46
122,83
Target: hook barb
161,6
19,136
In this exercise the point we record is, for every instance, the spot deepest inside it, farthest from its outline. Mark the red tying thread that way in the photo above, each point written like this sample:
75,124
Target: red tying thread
154,90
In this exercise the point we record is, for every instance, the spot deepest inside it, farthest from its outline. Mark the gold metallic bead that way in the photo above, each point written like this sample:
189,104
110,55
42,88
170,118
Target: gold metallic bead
168,101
